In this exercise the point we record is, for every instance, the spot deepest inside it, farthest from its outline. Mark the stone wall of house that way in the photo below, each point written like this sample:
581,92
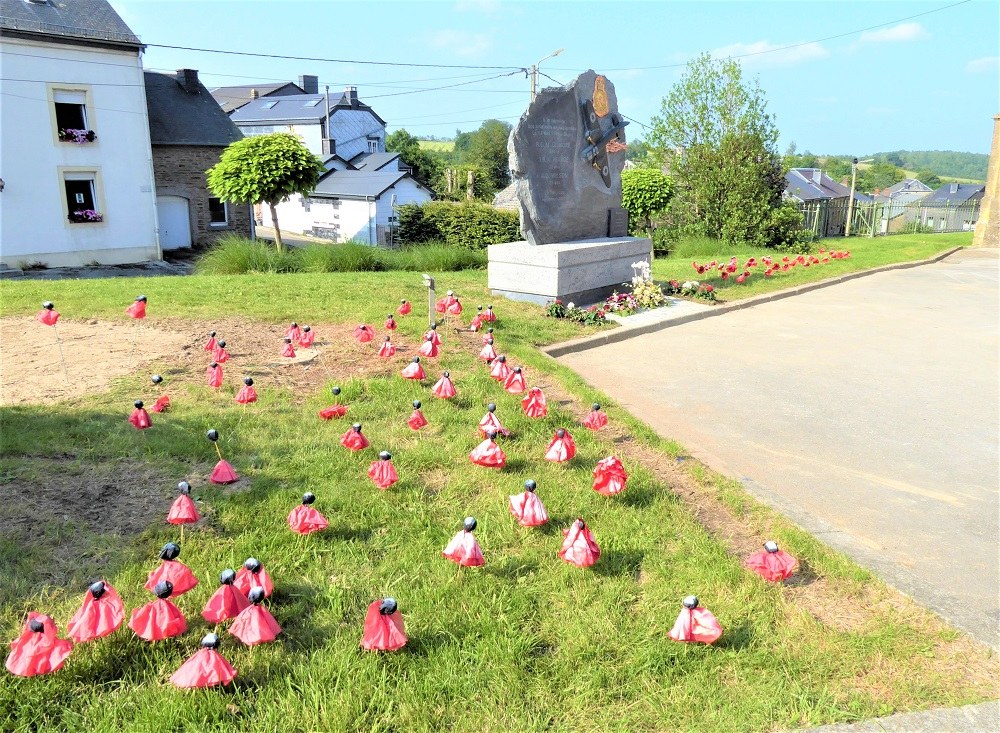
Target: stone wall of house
179,170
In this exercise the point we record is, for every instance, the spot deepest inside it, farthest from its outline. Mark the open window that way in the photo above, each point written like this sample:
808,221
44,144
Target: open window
82,205
72,120
218,215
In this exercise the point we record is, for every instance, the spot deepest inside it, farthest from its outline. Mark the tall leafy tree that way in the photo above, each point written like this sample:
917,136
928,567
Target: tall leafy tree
720,145
425,167
265,169
645,191
488,150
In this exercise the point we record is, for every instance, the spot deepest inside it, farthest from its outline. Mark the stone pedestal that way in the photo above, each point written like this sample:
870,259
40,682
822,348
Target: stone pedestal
582,272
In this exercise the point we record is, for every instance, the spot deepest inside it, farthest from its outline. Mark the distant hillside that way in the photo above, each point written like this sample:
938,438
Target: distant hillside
437,145
946,163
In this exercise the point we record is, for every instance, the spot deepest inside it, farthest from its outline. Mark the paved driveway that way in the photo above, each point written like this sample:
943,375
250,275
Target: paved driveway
867,412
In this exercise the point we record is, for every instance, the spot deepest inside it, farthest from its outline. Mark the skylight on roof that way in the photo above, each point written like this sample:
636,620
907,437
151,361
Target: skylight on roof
269,105
312,102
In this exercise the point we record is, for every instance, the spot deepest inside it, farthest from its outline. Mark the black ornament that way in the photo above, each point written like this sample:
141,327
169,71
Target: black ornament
288,341
307,329
385,455
517,370
491,407
434,326
140,299
294,324
184,487
48,305
690,602
138,404
402,302
97,589
491,434
170,551
156,379
212,435
469,524
489,341
596,406
560,433
163,589
335,390
356,427
530,485
253,565
502,359
36,626
212,334
256,596
415,359
214,364
447,375
248,381
221,344
210,641
388,606
771,546
227,576
479,308
489,330
416,404
308,498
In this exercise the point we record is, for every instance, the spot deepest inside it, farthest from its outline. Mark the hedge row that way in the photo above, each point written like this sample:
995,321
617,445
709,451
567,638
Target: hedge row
470,225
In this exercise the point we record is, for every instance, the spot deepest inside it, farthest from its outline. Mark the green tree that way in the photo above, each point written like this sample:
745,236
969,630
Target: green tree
488,150
929,178
265,169
425,167
645,191
720,145
880,174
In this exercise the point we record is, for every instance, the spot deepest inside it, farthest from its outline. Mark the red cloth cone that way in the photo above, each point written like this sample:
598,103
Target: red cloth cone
48,317
562,448
771,563
37,652
140,419
500,371
210,344
444,388
162,403
364,334
477,322
488,454
246,395
404,308
328,413
288,351
433,336
354,440
383,473
595,420
137,310
515,384
176,572
214,376
417,420
159,619
464,550
383,631
204,668
255,625
413,370
183,511
488,353
429,348
247,580
293,332
489,316
455,309
98,616
491,424
696,624
390,323
220,355
579,547
306,338
388,349
609,476
306,520
534,404
528,509
223,473
225,603
488,337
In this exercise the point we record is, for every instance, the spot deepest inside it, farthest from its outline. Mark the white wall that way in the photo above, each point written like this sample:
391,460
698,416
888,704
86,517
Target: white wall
33,223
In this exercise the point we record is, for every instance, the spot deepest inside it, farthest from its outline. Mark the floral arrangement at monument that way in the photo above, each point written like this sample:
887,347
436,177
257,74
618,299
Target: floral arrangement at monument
85,215
70,135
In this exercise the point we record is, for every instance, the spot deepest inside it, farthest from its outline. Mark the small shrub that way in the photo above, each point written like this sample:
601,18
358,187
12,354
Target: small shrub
234,255
785,231
591,316
414,227
664,240
470,225
346,257
555,309
435,257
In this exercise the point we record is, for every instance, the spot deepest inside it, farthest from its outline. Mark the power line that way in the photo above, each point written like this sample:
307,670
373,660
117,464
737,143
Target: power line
792,45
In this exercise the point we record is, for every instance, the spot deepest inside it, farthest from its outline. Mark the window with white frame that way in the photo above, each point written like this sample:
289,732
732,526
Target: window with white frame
80,189
71,110
218,215
373,145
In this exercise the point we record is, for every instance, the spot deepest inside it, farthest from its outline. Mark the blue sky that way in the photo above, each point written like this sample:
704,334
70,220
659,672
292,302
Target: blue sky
930,82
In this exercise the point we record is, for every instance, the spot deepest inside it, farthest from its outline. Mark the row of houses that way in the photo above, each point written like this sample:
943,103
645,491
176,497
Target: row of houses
104,161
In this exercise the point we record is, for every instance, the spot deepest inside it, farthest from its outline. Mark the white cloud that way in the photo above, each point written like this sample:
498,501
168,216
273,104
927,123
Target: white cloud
984,65
461,43
901,32
477,6
764,54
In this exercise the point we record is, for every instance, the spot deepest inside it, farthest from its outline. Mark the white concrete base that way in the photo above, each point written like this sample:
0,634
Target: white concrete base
584,271
79,258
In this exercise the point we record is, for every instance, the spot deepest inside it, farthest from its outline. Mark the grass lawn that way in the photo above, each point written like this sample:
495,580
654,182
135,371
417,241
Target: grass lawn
526,642
439,145
865,254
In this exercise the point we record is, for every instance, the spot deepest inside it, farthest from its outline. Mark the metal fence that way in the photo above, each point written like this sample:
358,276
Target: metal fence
878,218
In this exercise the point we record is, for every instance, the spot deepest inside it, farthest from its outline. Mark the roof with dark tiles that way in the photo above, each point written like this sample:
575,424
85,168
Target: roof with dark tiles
88,20
180,117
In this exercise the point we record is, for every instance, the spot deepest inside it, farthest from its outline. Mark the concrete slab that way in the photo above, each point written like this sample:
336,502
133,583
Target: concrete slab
967,719
867,411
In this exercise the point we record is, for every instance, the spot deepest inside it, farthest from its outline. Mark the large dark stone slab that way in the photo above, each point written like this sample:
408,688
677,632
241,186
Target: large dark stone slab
566,177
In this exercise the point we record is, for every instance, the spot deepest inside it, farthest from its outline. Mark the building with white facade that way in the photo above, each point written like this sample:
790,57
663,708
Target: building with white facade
75,156
356,198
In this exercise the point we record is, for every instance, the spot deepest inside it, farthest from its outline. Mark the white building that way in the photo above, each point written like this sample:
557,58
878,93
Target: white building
75,155
354,199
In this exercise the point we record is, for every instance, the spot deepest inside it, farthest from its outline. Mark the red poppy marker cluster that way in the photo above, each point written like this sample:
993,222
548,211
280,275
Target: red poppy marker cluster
768,265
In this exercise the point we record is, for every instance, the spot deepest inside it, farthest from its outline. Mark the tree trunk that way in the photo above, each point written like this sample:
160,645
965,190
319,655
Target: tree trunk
277,232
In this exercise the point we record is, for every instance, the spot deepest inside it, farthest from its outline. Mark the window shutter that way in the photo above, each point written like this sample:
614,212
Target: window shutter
66,96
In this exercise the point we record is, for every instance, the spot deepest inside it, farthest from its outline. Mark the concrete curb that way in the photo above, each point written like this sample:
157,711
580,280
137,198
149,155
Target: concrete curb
967,719
621,334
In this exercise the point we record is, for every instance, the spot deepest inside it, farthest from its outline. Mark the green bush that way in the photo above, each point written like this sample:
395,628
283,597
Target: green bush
436,257
234,255
664,240
346,257
785,230
470,225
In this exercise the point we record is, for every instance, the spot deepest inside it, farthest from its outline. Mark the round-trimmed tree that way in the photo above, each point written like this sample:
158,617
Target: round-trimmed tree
265,169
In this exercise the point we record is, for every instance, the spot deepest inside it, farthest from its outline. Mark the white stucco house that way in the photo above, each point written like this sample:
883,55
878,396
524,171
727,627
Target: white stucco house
75,156
356,198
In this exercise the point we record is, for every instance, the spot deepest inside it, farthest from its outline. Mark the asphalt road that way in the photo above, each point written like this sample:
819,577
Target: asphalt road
868,412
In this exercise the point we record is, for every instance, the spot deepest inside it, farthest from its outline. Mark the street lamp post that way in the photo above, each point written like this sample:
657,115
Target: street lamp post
850,201
534,71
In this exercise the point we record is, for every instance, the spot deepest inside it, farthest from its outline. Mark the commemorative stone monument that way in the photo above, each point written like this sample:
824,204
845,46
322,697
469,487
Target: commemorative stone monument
566,156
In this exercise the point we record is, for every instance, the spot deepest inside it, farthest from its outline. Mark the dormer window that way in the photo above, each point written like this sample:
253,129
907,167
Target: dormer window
312,102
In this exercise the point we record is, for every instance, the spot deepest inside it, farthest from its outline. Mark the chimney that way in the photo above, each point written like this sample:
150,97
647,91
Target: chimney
309,84
188,78
352,96
329,146
817,176
254,94
954,188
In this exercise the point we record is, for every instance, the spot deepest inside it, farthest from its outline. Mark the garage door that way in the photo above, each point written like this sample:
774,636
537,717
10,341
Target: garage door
175,222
